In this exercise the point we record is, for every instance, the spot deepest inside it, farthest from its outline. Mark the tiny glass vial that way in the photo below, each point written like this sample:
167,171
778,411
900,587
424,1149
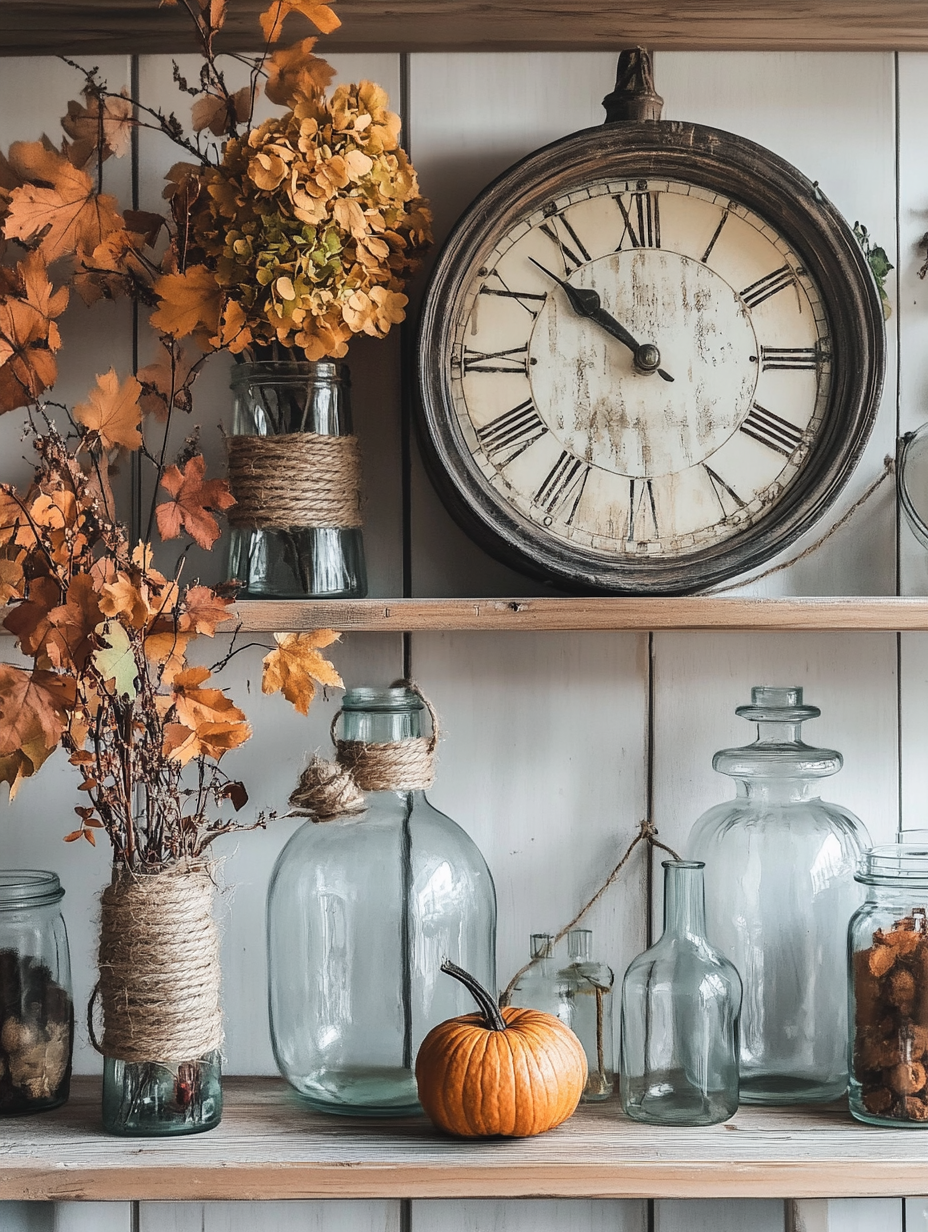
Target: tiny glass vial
586,1007
680,1006
36,1008
888,986
539,988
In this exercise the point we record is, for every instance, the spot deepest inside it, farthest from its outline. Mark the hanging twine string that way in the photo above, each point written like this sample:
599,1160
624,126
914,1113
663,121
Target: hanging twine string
889,468
159,968
646,832
296,481
328,790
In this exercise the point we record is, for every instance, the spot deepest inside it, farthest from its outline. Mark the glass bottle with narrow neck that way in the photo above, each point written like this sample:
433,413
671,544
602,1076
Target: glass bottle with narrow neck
586,1007
539,987
680,1006
362,911
780,865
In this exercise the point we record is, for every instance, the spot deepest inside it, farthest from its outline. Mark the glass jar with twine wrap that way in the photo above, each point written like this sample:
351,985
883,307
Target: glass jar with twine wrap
295,473
366,901
159,990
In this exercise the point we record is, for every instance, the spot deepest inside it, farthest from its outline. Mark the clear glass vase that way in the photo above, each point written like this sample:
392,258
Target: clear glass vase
540,987
587,1009
276,549
36,1008
361,913
150,1099
680,1006
780,865
888,984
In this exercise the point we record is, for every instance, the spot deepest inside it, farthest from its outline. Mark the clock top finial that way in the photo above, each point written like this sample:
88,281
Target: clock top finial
634,96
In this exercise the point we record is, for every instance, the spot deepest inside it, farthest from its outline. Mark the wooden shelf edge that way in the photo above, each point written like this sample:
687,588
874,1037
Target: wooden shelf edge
270,1146
576,615
75,27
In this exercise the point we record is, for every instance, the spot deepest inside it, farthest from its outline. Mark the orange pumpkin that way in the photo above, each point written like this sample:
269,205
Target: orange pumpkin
512,1072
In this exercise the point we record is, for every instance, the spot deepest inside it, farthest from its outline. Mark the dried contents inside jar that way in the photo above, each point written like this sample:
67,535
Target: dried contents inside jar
891,1020
35,1034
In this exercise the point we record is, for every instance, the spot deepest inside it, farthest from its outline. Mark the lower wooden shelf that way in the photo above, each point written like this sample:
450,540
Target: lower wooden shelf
271,1146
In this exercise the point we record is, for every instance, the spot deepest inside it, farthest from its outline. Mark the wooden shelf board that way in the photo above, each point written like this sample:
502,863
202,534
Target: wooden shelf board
81,27
564,614
271,1146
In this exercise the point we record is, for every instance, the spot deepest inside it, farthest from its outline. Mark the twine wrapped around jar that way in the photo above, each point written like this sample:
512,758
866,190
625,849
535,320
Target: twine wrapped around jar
159,967
328,790
300,480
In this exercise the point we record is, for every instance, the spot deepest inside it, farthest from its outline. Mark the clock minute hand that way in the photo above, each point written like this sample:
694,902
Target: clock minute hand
586,303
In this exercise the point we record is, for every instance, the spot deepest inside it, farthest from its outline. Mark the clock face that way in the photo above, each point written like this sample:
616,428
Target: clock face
639,372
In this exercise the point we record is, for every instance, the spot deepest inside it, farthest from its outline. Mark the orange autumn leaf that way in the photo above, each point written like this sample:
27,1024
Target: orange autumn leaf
85,122
295,71
189,303
203,610
164,383
23,764
167,648
34,707
122,598
69,216
29,621
272,19
112,413
296,663
27,364
12,580
212,111
71,642
195,501
208,722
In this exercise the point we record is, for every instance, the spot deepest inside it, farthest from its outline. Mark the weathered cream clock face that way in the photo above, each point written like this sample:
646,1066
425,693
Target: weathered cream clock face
641,368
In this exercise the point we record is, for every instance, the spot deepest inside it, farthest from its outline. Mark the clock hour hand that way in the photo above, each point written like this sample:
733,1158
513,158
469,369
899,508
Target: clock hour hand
586,303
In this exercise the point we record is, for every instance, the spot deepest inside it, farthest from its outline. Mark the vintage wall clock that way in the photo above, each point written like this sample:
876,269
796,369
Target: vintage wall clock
651,354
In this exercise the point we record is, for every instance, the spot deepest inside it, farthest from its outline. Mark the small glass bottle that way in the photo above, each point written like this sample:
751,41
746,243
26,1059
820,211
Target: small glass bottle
539,988
680,1005
586,1007
362,911
280,547
780,865
159,1099
36,1008
888,984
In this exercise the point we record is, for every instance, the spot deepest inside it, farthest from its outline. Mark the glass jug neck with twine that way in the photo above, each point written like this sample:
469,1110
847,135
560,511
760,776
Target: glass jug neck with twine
380,749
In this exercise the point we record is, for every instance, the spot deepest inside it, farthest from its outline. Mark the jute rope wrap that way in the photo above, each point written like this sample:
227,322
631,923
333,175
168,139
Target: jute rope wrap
328,790
159,967
292,482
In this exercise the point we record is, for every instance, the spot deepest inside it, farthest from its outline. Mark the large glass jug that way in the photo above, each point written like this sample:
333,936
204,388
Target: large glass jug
780,865
361,912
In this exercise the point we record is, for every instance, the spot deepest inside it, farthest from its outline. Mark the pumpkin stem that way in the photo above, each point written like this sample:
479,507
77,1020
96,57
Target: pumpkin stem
491,1011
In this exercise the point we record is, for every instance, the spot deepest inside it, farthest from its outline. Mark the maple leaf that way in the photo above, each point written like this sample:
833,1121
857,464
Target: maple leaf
212,111
12,580
68,216
29,621
203,610
22,764
114,267
195,500
296,663
208,722
167,648
159,379
189,303
116,662
70,643
112,413
83,124
121,597
294,71
272,19
34,707
28,334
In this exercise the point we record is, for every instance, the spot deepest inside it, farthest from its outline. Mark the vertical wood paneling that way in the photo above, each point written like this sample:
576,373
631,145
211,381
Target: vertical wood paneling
268,1217
93,1217
832,116
27,1216
725,1215
916,1215
547,1215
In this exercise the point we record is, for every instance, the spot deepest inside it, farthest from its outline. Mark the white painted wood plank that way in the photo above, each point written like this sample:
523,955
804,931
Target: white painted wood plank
93,1217
374,364
719,1215
850,1215
916,1215
472,117
268,1217
544,1215
543,763
832,116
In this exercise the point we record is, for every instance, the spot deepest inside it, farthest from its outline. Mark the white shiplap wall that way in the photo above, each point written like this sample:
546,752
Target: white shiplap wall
546,759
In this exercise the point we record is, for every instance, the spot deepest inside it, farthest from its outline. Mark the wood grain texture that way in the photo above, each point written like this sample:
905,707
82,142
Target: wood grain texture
273,1216
269,1147
539,614
36,26
758,1215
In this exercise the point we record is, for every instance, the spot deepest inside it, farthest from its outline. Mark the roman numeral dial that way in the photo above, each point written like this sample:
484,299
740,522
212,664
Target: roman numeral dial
581,442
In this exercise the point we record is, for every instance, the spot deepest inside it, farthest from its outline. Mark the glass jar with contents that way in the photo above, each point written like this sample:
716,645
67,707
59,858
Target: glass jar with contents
586,1007
36,1010
888,981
